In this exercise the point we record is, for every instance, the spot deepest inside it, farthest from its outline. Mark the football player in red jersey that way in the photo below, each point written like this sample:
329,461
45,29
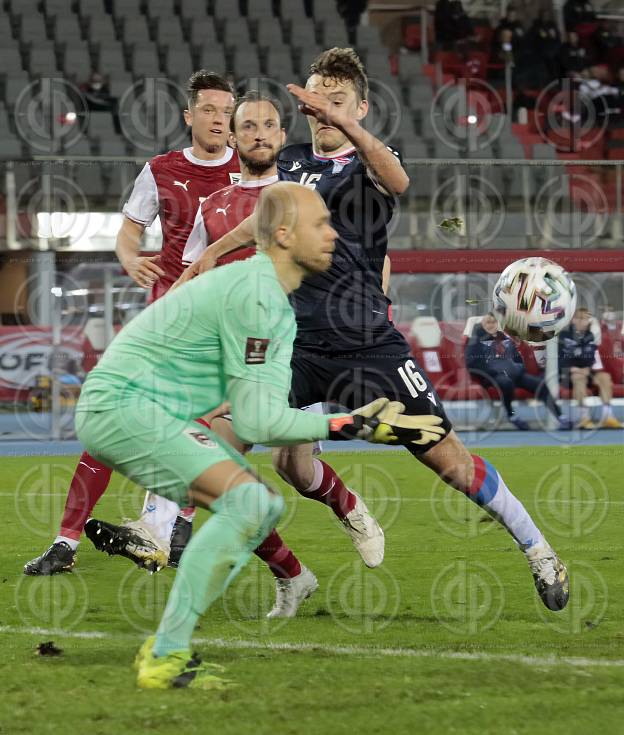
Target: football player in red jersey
170,186
258,137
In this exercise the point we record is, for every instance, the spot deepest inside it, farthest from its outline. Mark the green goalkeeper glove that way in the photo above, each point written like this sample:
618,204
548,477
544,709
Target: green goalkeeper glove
383,422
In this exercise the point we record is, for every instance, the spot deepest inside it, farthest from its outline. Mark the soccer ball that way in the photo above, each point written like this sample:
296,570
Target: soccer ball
534,299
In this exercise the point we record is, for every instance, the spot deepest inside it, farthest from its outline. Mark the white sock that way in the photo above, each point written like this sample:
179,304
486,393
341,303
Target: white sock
318,476
159,515
71,542
491,493
607,413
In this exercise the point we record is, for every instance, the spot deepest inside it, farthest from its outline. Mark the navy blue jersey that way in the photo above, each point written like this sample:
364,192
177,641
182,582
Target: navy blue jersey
344,310
576,349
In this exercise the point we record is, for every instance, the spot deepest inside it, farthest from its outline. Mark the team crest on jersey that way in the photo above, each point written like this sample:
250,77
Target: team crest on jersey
235,178
255,350
200,438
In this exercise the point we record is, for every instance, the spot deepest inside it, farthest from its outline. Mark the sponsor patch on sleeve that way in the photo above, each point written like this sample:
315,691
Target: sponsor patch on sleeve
255,350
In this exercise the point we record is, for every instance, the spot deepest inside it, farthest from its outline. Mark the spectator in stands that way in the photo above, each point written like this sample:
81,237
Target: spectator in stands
580,366
511,22
572,57
609,318
494,360
97,93
452,24
351,12
578,13
544,40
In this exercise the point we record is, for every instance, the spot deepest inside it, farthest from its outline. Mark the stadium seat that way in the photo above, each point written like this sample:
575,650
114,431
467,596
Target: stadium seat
196,9
178,63
101,30
226,9
88,179
67,29
203,33
10,58
246,63
266,32
111,57
14,86
299,130
279,65
237,36
544,151
292,10
128,8
260,9
42,60
77,60
162,9
212,57
55,7
101,125
10,147
32,29
144,61
81,147
119,81
135,31
113,146
169,34
333,33
23,7
89,8
301,34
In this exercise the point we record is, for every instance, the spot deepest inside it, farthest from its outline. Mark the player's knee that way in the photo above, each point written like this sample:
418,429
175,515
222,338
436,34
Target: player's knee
295,469
255,505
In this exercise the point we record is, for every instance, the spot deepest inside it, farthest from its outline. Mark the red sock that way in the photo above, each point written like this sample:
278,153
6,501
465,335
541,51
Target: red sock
328,488
90,480
274,552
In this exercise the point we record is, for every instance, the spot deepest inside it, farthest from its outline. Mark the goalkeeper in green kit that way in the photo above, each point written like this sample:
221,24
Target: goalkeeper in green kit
224,337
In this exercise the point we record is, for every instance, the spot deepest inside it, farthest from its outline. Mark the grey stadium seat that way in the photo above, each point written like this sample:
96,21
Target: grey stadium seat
544,151
169,33
88,179
213,59
67,29
237,35
42,60
135,31
178,63
246,63
111,57
10,147
127,8
161,9
101,125
203,32
113,146
197,9
82,147
32,28
77,59
10,58
101,30
260,8
145,61
89,8
226,9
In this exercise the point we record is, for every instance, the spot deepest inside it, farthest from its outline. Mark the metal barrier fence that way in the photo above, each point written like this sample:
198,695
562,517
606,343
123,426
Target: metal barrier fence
74,204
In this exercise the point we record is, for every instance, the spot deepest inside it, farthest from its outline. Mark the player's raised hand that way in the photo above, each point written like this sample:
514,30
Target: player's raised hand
144,270
383,422
320,107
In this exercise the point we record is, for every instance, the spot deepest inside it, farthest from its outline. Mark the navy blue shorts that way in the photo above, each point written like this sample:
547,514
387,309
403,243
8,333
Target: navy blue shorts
354,380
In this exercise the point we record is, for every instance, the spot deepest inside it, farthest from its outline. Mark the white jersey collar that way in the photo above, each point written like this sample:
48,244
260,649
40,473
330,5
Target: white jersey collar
188,154
256,183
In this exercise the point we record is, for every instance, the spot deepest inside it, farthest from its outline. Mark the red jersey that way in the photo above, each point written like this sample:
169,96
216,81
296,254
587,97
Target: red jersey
220,213
172,186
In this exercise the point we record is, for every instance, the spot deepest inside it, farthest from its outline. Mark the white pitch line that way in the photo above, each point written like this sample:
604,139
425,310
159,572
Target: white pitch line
371,499
303,647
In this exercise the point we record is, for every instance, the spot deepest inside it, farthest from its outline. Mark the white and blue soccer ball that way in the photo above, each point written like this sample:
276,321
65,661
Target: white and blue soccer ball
534,299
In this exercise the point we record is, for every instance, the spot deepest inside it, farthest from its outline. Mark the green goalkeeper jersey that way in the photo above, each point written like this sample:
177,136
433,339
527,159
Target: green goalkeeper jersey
226,335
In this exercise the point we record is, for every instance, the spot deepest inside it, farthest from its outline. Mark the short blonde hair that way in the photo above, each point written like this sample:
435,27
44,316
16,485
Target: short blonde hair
276,207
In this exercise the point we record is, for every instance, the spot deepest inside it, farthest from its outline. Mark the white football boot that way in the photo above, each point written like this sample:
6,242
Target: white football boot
366,534
290,593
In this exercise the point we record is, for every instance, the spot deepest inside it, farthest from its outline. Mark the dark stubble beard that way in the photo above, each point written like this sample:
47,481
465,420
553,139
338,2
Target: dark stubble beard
258,167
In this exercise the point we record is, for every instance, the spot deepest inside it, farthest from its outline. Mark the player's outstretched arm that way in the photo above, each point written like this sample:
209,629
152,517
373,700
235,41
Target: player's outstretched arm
382,163
240,236
144,271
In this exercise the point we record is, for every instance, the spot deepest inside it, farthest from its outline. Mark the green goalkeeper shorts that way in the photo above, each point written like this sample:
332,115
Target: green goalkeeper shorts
156,450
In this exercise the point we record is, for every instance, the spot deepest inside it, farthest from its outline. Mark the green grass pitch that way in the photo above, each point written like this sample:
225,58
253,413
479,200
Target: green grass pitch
448,636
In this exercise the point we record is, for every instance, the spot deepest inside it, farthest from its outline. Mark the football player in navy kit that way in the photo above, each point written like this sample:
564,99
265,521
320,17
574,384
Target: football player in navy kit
347,350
